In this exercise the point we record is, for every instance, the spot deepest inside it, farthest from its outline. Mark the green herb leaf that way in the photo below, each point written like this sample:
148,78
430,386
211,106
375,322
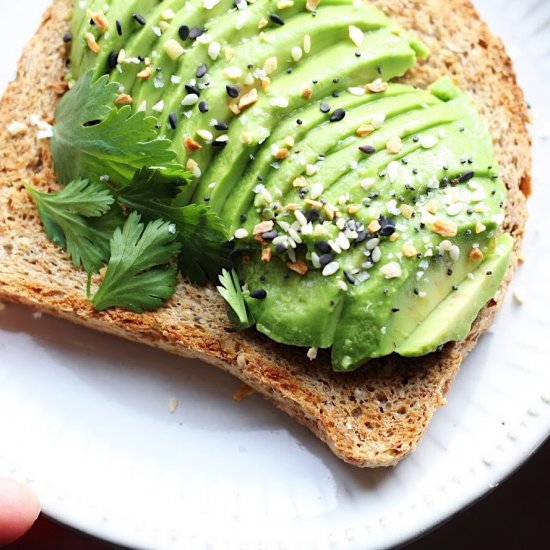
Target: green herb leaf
205,248
231,291
79,218
139,275
93,138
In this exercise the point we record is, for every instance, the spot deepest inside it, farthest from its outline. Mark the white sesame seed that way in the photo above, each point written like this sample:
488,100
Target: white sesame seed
293,234
316,190
214,49
367,183
315,260
331,269
241,233
190,99
454,253
372,244
296,53
300,218
357,90
429,141
334,246
307,43
376,255
205,134
393,171
342,285
342,241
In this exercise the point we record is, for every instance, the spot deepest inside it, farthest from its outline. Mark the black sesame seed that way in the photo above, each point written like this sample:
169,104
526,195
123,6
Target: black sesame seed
139,18
349,277
358,54
232,91
280,248
455,287
338,115
335,94
416,138
325,107
361,237
221,126
206,198
322,246
278,20
270,235
416,291
67,37
489,273
112,61
219,143
201,71
464,177
244,217
367,149
260,294
415,171
183,31
335,80
203,107
325,259
469,211
313,215
289,70
118,27
395,309
299,122
195,32
173,120
192,90
449,272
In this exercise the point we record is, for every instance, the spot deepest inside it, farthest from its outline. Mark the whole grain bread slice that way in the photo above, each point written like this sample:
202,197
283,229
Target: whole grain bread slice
369,418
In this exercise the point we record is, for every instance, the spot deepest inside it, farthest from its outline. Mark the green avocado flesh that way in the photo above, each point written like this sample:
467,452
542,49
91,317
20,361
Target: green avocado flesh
365,213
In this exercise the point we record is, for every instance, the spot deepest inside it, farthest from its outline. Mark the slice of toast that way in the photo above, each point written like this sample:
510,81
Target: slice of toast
369,418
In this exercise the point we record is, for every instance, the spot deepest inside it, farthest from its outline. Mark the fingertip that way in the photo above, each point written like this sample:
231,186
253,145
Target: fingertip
19,509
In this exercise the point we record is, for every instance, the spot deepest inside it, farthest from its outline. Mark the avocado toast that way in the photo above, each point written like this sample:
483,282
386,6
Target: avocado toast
371,417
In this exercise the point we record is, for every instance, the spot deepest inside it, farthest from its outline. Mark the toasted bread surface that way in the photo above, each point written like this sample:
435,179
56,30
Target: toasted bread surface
372,417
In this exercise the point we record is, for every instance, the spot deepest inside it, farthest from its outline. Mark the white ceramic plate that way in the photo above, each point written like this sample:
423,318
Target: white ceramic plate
85,417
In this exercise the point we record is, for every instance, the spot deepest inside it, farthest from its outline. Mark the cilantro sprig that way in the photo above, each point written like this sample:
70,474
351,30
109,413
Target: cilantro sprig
205,248
141,273
230,289
80,219
94,139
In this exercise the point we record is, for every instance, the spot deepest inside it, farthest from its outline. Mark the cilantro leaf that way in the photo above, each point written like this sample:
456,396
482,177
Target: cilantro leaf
92,137
231,291
74,218
139,276
205,248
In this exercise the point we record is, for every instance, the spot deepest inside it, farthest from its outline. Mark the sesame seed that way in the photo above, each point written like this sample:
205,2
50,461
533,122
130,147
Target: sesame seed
118,27
203,107
259,294
367,149
139,18
338,115
330,269
173,120
67,37
325,107
112,61
195,32
277,19
232,91
201,71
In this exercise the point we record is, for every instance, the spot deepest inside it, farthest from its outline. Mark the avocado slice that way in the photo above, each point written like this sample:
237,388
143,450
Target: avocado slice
452,319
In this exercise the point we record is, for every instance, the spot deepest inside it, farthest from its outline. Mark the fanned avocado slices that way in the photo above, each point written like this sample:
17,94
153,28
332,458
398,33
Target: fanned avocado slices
365,214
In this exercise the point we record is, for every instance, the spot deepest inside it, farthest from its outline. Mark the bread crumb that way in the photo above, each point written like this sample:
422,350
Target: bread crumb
173,404
519,295
16,128
312,353
243,392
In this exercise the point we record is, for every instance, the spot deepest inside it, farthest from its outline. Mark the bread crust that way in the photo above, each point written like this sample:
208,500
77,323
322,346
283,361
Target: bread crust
369,418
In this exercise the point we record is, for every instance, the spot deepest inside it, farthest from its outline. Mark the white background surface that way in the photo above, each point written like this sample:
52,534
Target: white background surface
85,419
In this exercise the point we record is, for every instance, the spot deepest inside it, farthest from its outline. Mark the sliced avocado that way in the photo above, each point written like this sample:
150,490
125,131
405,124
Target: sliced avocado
452,319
